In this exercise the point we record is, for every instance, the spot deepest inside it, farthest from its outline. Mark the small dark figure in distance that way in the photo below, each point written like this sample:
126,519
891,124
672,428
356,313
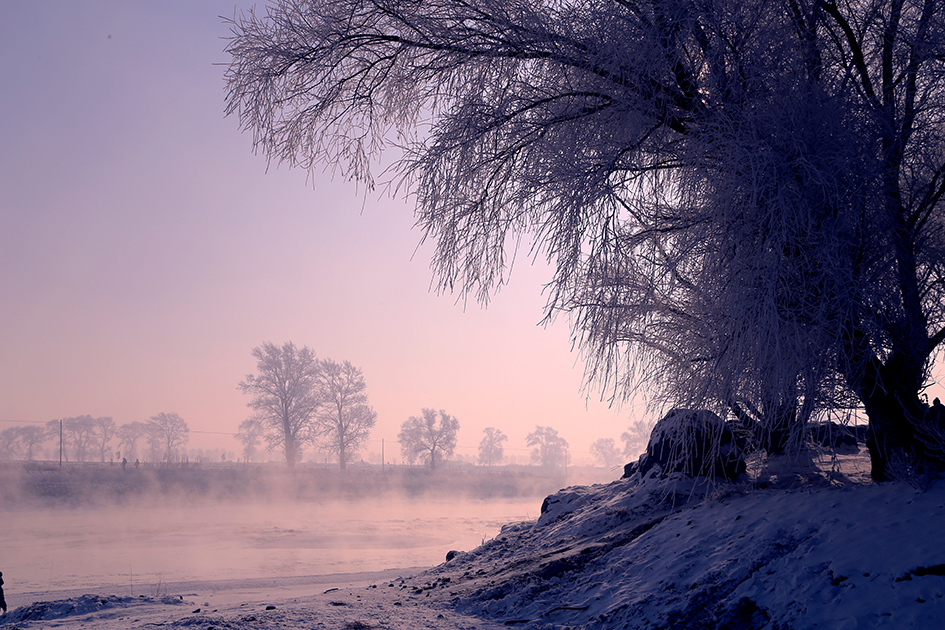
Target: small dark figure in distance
936,414
3,602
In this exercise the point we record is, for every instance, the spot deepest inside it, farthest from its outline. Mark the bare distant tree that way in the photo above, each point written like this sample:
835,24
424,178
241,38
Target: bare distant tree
10,439
284,396
32,437
156,447
79,432
636,437
128,435
172,431
605,452
15,441
56,430
551,450
431,437
491,450
345,419
742,201
104,432
250,433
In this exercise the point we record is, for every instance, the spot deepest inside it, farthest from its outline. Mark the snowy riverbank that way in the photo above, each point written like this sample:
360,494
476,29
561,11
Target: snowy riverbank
808,550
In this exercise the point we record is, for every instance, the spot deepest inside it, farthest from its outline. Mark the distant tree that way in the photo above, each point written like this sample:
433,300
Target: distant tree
550,450
431,437
104,431
128,435
284,396
250,433
56,430
173,432
32,437
605,452
635,438
345,419
10,439
79,432
491,450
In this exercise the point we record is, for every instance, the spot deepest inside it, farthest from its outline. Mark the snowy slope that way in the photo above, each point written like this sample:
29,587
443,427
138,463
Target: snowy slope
645,553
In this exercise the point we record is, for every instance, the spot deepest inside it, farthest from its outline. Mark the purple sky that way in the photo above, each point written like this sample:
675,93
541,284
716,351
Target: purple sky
145,250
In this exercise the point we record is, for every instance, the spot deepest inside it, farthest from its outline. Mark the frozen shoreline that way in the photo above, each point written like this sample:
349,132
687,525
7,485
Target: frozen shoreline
369,600
226,591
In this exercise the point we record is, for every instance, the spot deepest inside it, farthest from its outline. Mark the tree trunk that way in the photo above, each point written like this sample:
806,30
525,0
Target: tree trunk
898,442
290,453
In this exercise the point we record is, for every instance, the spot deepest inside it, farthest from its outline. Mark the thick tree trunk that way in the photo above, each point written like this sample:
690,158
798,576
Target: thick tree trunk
774,433
898,441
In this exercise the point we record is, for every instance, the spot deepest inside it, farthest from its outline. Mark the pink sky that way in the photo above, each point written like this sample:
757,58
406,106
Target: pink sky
145,250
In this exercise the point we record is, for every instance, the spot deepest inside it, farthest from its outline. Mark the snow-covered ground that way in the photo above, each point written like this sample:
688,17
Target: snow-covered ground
807,545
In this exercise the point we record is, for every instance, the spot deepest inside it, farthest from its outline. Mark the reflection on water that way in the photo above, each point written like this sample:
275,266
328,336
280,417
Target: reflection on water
46,549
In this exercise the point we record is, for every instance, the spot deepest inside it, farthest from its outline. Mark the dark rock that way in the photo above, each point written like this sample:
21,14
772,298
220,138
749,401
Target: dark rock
452,553
693,442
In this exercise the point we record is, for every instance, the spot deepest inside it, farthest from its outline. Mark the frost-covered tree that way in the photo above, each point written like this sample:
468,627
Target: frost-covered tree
491,450
32,437
103,433
171,431
284,396
429,437
551,450
741,199
10,440
250,434
17,441
636,437
605,452
344,418
79,433
128,435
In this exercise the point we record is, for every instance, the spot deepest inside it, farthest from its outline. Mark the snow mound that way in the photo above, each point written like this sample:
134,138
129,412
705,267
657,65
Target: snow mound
676,554
77,606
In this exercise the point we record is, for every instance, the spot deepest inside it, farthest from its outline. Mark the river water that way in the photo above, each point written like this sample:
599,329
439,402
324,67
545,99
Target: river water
143,548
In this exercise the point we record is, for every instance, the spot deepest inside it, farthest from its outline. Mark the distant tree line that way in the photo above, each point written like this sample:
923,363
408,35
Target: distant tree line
86,439
300,401
428,439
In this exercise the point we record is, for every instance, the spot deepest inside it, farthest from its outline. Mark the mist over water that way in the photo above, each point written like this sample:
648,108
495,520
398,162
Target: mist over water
141,547
139,531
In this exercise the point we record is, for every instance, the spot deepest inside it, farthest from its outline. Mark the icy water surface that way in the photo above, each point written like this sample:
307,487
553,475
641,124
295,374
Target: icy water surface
145,547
